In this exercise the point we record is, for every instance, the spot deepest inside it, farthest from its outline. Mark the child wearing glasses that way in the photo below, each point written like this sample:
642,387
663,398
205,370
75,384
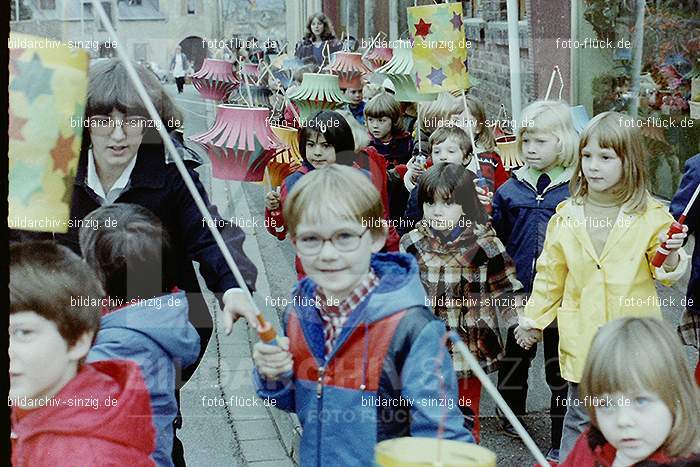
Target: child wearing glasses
363,360
465,270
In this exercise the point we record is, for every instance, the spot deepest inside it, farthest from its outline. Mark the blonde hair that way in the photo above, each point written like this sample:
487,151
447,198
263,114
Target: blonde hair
334,190
618,132
446,105
385,105
551,117
441,135
620,361
359,131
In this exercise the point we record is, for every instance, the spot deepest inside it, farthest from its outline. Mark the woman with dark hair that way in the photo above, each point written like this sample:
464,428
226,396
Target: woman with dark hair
123,160
319,32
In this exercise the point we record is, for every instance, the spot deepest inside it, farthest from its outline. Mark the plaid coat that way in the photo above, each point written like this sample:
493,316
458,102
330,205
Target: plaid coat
468,280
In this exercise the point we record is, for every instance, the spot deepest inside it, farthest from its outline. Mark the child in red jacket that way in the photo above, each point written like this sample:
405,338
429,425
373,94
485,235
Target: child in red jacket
66,412
643,404
327,139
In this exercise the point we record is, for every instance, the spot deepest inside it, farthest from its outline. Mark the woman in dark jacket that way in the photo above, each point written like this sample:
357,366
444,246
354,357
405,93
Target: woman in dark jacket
319,32
123,160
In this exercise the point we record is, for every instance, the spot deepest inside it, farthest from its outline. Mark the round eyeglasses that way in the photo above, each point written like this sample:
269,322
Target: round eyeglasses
104,125
344,241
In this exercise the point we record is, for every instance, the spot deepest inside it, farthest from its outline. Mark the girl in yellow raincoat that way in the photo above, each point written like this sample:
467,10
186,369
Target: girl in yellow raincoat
596,261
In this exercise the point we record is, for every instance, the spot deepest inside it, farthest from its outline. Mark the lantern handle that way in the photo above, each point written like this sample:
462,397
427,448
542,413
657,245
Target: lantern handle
555,72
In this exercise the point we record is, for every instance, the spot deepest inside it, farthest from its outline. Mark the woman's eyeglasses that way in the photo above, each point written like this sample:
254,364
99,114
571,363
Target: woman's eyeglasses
104,125
311,244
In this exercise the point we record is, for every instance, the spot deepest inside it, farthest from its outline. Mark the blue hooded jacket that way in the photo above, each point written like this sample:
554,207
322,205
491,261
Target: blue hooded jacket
689,183
382,380
152,333
520,218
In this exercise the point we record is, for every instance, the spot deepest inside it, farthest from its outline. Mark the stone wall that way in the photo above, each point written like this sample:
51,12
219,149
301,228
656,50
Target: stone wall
489,64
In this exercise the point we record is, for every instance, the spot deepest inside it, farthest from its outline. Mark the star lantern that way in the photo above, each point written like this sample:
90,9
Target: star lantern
439,47
240,143
215,80
47,83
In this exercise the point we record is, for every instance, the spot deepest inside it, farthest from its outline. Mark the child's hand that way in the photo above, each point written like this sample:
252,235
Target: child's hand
527,339
272,361
415,168
485,196
673,244
237,304
272,200
676,240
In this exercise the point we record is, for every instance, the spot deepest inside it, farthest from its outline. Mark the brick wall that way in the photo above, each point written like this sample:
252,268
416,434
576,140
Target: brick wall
488,55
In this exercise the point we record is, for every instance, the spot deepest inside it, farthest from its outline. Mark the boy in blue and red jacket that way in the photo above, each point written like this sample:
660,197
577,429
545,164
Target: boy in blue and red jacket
363,360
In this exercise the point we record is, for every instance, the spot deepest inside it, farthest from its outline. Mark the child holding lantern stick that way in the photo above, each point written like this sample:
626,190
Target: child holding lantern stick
361,343
589,272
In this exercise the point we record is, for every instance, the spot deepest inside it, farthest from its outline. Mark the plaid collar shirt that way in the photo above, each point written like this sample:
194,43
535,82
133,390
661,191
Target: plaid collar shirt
334,316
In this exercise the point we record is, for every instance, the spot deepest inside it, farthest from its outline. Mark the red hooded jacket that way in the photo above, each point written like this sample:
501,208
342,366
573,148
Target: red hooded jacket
72,429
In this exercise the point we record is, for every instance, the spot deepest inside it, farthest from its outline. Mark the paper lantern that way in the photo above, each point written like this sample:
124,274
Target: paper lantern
240,144
215,80
379,56
250,70
507,147
289,137
47,95
439,47
349,68
400,71
316,92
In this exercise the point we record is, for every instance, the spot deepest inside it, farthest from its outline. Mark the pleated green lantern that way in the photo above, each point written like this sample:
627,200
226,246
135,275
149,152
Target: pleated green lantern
400,71
317,91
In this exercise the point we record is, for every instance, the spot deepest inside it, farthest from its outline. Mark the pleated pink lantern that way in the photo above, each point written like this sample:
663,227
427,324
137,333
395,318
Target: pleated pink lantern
349,68
241,143
215,80
250,70
379,56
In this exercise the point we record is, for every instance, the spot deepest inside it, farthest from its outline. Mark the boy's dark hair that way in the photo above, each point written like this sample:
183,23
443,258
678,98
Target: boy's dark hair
442,134
131,255
333,127
56,284
385,105
451,183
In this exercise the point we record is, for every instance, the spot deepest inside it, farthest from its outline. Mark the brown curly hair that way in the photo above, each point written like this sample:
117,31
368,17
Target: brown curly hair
328,31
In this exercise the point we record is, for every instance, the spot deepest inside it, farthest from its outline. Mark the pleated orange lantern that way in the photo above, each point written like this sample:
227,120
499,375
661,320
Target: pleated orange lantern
379,56
349,68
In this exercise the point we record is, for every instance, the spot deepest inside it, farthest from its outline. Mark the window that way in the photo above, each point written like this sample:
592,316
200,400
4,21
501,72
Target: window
47,4
108,9
133,2
191,7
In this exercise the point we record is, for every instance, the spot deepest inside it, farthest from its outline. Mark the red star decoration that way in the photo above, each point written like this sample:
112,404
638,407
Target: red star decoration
62,153
422,28
15,127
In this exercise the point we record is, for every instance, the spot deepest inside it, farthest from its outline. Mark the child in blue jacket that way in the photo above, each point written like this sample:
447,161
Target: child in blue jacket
690,322
363,360
146,320
522,208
